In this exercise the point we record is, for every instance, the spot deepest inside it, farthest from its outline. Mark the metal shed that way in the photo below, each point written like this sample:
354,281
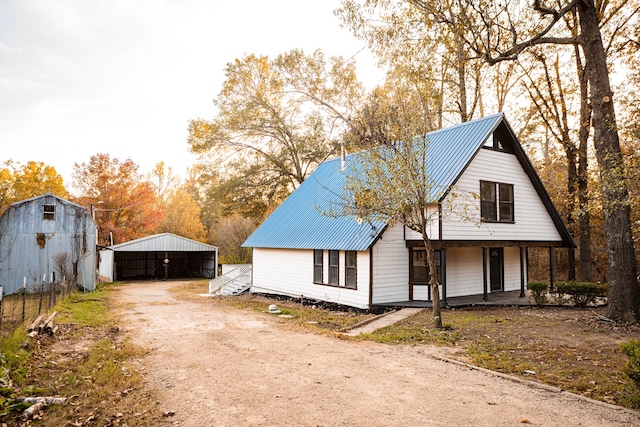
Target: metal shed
160,256
43,239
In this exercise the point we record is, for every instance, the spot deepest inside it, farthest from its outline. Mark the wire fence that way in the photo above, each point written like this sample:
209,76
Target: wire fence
30,302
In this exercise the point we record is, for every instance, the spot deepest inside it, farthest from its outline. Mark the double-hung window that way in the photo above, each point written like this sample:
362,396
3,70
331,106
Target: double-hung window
496,202
350,265
318,265
334,267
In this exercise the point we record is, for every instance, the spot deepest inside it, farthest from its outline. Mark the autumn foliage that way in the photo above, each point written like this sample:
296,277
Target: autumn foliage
124,205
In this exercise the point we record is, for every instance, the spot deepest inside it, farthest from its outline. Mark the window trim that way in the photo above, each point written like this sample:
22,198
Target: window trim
497,203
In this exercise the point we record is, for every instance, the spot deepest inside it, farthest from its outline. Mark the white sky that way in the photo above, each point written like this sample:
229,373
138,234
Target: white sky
124,77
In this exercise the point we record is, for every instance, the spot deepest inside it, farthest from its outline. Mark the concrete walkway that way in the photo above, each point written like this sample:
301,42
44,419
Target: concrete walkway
382,321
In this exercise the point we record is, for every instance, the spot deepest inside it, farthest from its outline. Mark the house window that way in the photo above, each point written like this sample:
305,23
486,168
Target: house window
500,140
49,212
317,265
419,268
334,260
350,263
496,202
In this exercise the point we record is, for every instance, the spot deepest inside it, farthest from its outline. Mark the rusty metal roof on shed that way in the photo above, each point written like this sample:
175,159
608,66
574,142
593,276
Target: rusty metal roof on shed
298,223
165,242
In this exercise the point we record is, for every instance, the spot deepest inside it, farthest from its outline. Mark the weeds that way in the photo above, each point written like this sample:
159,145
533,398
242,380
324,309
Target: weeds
87,361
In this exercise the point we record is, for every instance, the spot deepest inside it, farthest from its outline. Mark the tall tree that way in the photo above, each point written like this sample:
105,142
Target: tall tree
229,234
496,32
277,120
553,101
453,83
164,180
20,182
181,216
124,205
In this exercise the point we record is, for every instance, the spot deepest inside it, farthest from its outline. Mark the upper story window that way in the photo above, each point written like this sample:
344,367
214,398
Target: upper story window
499,140
49,212
496,202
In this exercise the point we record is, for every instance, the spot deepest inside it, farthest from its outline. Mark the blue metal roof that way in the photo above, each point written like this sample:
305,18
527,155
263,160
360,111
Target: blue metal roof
299,222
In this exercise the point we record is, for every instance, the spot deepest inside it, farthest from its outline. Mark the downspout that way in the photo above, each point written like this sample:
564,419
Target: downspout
370,276
440,221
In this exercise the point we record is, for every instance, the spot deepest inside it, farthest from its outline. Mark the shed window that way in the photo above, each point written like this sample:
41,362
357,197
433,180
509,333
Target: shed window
350,264
317,265
334,260
496,202
49,212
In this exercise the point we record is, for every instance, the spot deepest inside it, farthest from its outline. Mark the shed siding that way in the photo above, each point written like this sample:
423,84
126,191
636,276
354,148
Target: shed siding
22,256
391,267
532,221
295,277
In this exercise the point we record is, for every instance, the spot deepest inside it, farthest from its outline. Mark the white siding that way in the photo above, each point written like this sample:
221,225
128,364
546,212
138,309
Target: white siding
391,267
290,272
105,265
464,271
433,230
532,221
512,269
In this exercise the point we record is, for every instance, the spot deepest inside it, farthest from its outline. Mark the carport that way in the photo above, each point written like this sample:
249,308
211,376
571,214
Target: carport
160,256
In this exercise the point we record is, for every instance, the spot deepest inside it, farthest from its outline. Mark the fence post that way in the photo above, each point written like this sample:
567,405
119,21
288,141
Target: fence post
24,296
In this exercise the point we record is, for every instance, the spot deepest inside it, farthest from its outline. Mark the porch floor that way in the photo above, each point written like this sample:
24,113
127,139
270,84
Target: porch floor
509,298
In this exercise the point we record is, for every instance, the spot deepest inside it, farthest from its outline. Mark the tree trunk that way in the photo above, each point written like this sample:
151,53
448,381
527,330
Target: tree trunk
433,282
584,220
572,179
624,292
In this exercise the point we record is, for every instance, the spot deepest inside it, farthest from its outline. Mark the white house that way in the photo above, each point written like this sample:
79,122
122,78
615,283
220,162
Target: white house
299,251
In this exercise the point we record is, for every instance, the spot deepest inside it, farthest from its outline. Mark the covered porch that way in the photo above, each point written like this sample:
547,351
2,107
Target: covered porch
500,299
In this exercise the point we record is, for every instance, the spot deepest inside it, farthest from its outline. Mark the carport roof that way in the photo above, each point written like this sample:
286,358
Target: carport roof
163,242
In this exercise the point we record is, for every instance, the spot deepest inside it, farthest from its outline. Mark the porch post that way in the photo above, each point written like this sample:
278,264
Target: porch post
552,267
443,272
522,275
485,296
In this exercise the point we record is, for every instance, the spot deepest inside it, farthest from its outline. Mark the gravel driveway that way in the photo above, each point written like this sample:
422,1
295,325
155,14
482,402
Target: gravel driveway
213,365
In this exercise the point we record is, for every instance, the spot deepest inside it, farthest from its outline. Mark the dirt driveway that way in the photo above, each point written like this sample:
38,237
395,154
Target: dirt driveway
217,366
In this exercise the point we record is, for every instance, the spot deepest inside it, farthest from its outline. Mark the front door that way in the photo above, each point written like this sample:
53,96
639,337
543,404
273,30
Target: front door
496,262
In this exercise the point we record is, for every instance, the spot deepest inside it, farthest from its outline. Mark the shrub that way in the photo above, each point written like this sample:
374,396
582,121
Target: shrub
538,292
582,294
632,369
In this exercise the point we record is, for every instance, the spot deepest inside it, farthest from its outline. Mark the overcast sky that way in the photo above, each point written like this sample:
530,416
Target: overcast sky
124,77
